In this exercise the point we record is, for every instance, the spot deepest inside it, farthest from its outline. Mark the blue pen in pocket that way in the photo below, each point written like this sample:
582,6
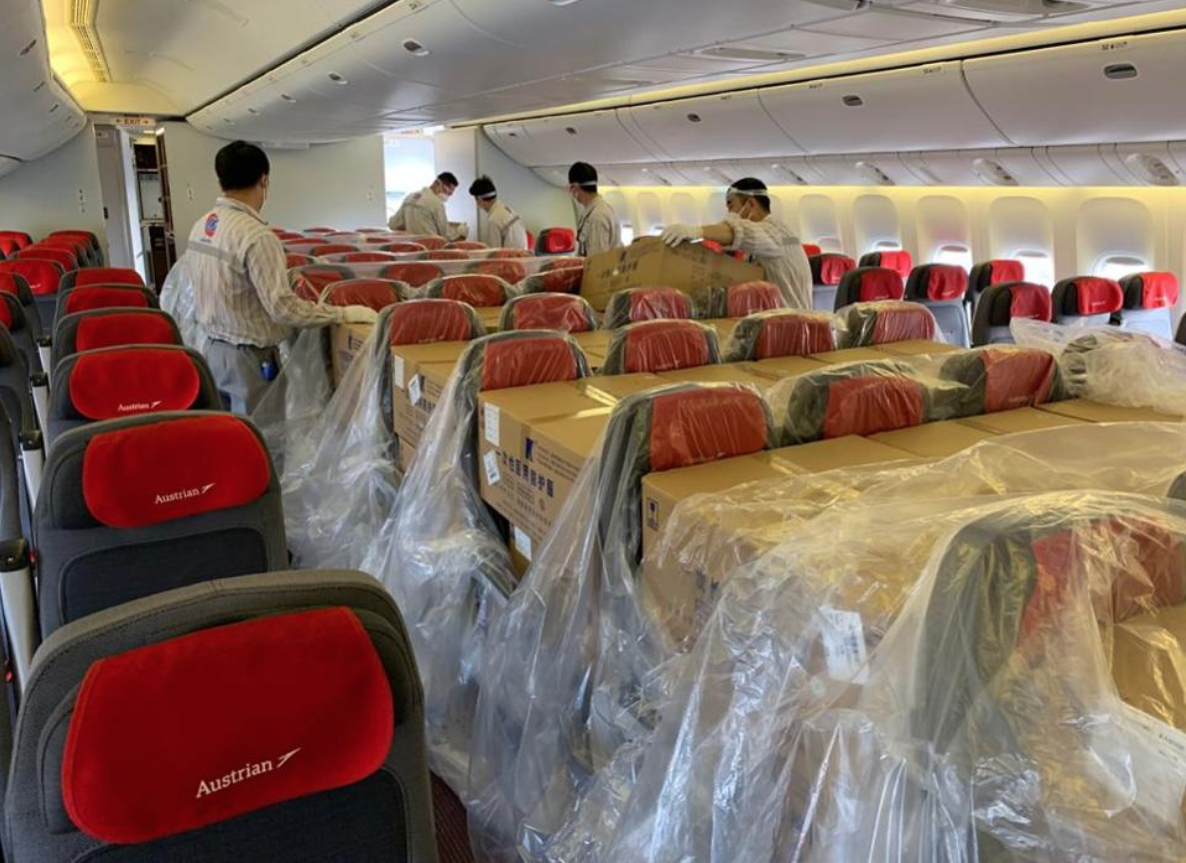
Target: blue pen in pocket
268,369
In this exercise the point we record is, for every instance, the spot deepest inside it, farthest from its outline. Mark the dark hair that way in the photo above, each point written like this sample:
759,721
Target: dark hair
752,184
584,175
240,165
483,187
448,179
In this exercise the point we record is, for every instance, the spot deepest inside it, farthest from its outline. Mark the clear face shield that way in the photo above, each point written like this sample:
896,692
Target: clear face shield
740,202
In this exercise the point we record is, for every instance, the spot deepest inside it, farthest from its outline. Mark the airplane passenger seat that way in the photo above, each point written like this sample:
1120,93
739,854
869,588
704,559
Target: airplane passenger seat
780,333
1149,303
1086,301
647,304
403,248
136,506
44,279
375,294
414,273
429,242
478,290
467,246
661,346
446,255
19,238
811,250
511,272
827,269
900,261
332,249
309,283
555,280
104,297
271,717
108,328
64,258
128,380
1004,302
363,258
509,254
984,275
868,285
1004,378
101,276
556,241
885,322
942,288
293,260
545,311
747,298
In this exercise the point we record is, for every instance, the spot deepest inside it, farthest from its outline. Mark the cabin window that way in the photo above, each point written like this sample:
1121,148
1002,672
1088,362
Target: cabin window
887,246
830,244
818,222
1118,266
683,207
618,201
875,219
953,254
1039,266
650,213
409,164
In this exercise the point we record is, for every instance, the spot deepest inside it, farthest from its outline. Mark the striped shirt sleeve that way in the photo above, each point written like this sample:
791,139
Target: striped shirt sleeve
266,266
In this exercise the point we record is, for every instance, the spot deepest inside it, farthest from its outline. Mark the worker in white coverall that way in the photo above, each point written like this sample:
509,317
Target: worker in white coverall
423,213
597,224
241,294
749,227
504,228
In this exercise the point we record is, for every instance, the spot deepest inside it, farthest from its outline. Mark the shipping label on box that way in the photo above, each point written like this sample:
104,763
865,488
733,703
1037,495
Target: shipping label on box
413,403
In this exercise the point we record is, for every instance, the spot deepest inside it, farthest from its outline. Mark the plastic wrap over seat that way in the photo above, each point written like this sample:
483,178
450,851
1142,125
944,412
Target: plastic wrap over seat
661,346
414,273
1086,301
375,294
403,248
108,328
880,323
89,297
329,748
868,285
576,641
557,280
331,249
827,270
292,260
511,272
861,398
1149,303
943,288
446,255
556,241
780,333
747,298
1003,378
467,245
118,382
135,506
647,304
442,553
309,283
1002,304
563,312
362,258
339,454
480,291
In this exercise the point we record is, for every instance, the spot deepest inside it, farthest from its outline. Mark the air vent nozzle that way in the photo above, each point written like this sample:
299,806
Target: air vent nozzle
1120,71
853,101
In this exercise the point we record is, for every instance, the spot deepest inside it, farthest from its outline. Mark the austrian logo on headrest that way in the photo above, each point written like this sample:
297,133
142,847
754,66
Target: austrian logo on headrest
211,224
184,494
137,406
247,771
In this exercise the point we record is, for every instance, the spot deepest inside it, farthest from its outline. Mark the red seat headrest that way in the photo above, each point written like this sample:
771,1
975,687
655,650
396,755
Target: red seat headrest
879,283
811,249
43,277
106,297
870,404
124,328
509,271
150,751
332,249
447,255
468,246
414,273
794,334
124,382
652,304
566,280
666,346
173,469
293,260
1001,271
509,254
1027,300
430,243
1158,290
322,230
480,291
108,276
750,297
702,424
900,261
830,269
521,362
557,241
419,322
61,257
563,264
403,248
946,282
375,294
6,317
309,283
1098,296
1016,378
366,257
562,312
902,322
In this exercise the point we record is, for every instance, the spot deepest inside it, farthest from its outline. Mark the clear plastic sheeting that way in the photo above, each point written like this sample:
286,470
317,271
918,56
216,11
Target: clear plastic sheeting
479,291
1112,365
791,731
177,298
868,324
442,553
661,346
781,333
576,645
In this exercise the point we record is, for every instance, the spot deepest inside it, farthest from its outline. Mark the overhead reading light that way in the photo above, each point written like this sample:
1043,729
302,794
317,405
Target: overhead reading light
1120,71
39,87
694,118
28,47
55,107
1152,169
414,47
228,121
993,173
874,174
853,101
253,111
336,78
787,174
570,130
288,98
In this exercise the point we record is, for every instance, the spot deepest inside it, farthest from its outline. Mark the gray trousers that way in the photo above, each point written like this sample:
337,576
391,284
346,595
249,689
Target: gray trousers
239,374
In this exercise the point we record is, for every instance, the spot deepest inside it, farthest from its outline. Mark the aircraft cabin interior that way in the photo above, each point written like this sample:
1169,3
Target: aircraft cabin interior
592,431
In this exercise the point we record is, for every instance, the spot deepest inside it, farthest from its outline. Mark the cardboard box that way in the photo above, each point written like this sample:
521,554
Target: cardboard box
535,440
681,595
1146,649
690,268
1098,412
850,355
346,341
740,373
917,348
1020,420
723,327
414,402
781,368
595,344
934,440
490,316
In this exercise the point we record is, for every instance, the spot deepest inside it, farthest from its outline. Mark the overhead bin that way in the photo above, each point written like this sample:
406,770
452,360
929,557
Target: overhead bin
595,137
652,174
1109,90
1149,164
882,111
701,129
556,175
1082,165
864,169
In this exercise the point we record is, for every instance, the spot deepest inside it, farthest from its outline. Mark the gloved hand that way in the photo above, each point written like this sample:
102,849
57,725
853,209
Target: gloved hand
676,234
359,315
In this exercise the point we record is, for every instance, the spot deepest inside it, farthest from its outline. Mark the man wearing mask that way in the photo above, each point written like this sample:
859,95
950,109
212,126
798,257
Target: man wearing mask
240,283
504,228
423,212
597,225
749,227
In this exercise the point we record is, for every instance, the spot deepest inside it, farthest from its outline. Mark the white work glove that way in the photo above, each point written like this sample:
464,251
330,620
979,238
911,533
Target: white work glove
677,234
359,315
